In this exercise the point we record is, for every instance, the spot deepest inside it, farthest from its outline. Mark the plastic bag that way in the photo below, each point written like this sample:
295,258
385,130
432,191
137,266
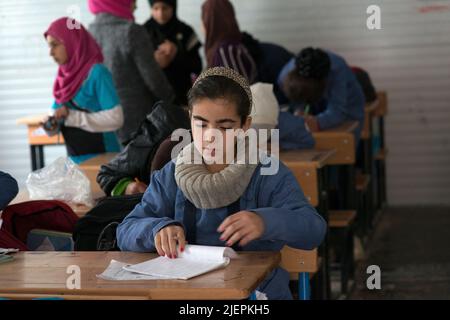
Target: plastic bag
61,180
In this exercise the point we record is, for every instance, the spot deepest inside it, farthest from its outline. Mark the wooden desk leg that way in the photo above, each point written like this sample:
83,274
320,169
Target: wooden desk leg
37,157
303,286
324,285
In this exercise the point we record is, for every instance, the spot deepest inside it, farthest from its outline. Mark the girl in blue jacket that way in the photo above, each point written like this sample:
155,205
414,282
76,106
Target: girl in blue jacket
234,203
324,81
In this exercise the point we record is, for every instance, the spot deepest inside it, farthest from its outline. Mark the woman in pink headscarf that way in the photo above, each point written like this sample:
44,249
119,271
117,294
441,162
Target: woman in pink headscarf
86,105
129,55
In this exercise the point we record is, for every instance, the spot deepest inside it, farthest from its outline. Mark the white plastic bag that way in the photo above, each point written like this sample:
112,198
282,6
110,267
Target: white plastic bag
61,180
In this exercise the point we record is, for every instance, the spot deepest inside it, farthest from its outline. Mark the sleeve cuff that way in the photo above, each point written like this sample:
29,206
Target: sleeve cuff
272,225
164,223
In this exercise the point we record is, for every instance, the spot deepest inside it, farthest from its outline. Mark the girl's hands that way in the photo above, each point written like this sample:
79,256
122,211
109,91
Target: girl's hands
166,241
244,226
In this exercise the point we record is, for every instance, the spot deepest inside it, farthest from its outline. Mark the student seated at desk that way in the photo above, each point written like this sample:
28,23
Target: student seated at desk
9,189
86,104
324,81
220,203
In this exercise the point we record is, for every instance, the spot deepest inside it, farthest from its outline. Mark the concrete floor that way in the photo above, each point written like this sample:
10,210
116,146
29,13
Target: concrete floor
412,248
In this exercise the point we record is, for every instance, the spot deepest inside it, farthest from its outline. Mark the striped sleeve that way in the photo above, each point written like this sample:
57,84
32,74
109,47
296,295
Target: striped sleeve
236,57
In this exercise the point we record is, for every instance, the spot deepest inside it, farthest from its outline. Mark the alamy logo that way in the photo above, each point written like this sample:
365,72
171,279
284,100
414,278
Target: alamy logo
74,13
74,280
374,280
374,20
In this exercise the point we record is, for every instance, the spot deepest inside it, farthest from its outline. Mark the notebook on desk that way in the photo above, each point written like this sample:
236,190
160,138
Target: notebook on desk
194,261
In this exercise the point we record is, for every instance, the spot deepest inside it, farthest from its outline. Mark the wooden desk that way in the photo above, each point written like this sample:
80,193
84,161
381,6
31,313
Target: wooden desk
340,138
306,165
40,274
38,138
91,168
369,110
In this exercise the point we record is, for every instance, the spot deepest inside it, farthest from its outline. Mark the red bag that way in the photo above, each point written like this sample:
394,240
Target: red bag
19,219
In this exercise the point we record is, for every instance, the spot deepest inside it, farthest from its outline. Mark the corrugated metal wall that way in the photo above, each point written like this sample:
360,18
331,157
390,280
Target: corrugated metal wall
409,57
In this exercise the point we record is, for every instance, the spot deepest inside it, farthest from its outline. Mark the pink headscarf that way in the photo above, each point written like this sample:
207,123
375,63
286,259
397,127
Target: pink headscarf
118,8
82,53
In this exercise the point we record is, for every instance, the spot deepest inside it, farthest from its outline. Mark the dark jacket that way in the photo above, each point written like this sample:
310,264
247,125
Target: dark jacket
8,189
139,80
270,58
363,77
136,158
187,62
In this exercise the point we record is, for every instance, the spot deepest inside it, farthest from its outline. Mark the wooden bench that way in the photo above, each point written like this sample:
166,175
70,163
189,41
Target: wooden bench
342,225
341,218
301,265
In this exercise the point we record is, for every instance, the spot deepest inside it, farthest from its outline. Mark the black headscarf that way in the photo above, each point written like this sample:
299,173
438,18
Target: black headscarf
187,60
167,31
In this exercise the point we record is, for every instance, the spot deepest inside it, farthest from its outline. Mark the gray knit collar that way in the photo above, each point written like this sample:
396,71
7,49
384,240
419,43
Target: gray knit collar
208,190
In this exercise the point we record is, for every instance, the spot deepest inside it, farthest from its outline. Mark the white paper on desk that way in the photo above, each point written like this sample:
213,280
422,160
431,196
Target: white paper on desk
115,271
194,261
8,250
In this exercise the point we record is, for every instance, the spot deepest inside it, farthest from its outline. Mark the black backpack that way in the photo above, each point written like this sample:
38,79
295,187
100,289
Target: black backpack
96,231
